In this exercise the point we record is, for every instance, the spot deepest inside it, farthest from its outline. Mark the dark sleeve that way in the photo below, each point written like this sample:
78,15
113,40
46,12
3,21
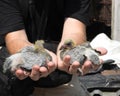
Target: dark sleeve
78,9
10,16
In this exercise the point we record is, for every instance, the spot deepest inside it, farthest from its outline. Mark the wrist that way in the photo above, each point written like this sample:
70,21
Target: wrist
16,45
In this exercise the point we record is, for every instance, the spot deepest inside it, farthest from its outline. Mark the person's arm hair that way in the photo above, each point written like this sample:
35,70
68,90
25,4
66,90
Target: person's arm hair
16,40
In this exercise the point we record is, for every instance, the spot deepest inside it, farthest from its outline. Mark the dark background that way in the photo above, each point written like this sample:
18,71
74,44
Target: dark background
100,18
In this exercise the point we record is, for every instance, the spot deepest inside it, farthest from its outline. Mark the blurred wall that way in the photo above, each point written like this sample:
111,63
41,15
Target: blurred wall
115,20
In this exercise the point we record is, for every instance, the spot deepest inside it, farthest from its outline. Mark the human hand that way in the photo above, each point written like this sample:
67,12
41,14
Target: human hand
38,71
89,66
85,61
33,61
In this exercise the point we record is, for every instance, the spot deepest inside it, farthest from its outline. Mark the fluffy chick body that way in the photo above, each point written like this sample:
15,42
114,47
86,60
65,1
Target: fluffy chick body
27,57
79,52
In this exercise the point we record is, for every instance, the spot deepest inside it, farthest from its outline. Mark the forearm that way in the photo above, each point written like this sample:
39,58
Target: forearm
16,40
75,30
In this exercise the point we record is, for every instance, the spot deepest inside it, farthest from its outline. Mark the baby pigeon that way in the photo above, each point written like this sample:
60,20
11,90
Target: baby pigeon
27,57
79,52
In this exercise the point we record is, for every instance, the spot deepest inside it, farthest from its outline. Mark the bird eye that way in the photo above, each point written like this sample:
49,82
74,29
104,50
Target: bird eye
69,43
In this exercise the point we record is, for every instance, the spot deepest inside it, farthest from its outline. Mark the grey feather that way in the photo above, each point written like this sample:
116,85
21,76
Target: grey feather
27,58
79,52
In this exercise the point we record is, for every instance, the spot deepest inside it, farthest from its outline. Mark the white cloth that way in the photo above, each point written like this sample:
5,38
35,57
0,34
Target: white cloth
112,46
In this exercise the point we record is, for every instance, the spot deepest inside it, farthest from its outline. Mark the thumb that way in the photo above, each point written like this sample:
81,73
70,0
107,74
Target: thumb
102,50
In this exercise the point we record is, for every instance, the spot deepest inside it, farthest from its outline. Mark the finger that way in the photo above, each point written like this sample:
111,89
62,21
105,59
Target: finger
20,74
35,73
87,67
66,60
74,67
96,66
44,71
102,50
51,67
65,64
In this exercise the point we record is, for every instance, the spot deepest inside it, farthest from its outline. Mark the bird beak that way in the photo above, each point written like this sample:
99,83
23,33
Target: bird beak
63,47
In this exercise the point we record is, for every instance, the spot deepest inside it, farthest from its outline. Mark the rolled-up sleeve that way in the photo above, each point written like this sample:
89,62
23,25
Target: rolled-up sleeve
78,9
10,16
